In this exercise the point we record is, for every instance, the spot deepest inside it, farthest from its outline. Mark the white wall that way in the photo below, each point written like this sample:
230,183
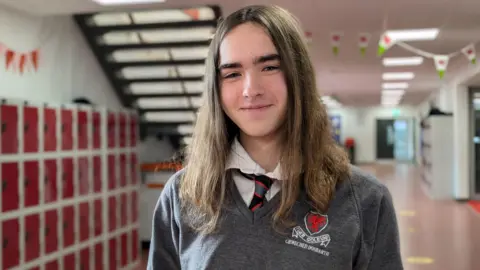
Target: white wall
67,67
360,124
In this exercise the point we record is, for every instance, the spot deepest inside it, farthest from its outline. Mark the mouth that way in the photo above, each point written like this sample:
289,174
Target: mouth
255,107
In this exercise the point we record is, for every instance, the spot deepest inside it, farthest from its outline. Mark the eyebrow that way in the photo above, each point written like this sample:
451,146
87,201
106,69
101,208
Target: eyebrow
258,60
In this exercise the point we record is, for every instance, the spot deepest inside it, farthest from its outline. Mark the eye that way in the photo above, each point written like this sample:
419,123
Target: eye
231,75
270,68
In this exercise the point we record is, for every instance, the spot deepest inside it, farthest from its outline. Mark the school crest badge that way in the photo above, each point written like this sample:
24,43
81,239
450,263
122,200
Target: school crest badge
315,223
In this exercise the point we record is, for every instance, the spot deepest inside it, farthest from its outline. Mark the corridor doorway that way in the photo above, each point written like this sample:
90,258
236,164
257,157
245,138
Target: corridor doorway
395,139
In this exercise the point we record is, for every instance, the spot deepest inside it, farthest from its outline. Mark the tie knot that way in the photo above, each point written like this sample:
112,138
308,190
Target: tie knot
262,182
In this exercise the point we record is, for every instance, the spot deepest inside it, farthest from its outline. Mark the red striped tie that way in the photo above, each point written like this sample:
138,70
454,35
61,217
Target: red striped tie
262,185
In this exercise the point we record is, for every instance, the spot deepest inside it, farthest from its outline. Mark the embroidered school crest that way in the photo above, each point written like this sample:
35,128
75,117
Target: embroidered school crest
315,222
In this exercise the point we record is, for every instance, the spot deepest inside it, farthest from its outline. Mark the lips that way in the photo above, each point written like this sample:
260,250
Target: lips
255,107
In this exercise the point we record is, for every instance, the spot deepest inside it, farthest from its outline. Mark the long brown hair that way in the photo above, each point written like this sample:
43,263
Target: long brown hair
310,156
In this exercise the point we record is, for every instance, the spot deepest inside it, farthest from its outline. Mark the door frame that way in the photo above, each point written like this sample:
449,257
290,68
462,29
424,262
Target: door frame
414,137
471,151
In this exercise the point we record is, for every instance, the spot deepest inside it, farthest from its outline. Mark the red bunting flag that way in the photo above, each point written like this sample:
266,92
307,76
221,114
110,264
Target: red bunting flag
21,64
34,58
9,55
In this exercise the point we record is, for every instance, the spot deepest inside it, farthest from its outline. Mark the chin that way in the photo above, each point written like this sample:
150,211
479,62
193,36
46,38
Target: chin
258,130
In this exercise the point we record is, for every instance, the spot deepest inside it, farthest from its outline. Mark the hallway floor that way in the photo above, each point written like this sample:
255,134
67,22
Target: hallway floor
435,235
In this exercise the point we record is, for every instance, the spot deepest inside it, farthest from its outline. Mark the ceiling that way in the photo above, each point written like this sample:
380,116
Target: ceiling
353,78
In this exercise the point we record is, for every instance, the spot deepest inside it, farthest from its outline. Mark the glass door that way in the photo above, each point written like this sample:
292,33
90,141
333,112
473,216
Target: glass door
475,141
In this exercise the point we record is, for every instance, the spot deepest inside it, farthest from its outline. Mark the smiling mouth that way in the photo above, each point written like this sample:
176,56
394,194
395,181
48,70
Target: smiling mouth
257,107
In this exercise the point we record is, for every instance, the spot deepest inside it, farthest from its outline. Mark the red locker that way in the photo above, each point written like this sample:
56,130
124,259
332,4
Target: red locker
32,237
124,250
84,226
112,213
112,250
135,206
99,257
98,217
50,181
10,192
50,130
51,228
69,261
122,133
52,265
68,226
97,174
112,176
111,130
96,124
9,119
133,130
134,169
30,130
123,210
35,268
66,128
85,259
82,130
123,170
67,177
135,245
11,243
31,186
83,175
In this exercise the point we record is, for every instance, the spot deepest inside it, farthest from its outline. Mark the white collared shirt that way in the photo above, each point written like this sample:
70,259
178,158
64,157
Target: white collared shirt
239,159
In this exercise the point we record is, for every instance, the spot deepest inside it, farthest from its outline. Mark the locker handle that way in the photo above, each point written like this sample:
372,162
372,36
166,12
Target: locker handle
26,182
46,179
5,243
25,127
47,230
4,127
4,185
64,177
65,225
45,128
63,127
27,236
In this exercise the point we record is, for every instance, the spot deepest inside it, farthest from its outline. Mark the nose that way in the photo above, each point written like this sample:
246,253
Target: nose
252,86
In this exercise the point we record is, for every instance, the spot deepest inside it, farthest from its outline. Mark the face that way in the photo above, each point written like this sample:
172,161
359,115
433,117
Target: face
252,85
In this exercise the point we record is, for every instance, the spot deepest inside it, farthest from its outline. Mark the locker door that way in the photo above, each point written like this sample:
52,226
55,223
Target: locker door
50,130
112,213
124,250
98,256
52,265
97,174
123,130
32,237
68,225
84,225
50,181
112,176
133,131
10,192
82,130
67,177
69,261
31,186
11,243
51,229
96,120
83,175
135,245
30,130
98,217
135,206
134,169
9,119
112,250
123,210
66,129
85,259
111,130
123,170
35,268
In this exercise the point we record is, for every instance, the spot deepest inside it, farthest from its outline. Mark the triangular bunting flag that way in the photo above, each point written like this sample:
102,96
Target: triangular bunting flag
441,63
384,44
22,63
335,39
9,56
363,40
34,58
470,53
193,13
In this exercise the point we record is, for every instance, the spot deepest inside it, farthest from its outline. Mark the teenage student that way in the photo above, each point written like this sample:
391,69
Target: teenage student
264,184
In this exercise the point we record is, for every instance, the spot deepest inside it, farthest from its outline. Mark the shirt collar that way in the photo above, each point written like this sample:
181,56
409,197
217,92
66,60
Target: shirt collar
240,159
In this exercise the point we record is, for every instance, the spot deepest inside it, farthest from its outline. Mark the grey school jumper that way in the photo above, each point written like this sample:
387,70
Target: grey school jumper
359,232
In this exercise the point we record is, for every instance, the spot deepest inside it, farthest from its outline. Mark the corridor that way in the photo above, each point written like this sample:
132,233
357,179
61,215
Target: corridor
435,235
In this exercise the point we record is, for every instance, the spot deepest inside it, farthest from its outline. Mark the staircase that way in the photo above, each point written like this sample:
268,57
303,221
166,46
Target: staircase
154,60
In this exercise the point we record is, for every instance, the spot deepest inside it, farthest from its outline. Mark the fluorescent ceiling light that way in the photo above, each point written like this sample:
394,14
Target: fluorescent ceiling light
126,2
393,92
398,76
400,85
402,61
413,34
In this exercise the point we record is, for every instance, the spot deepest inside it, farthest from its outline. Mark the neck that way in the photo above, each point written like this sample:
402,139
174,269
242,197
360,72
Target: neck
265,151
